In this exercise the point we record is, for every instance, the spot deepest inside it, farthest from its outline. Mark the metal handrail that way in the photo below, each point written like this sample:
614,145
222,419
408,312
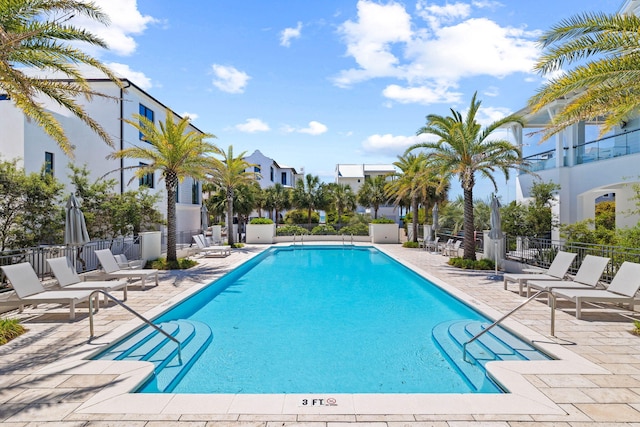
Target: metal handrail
553,319
132,311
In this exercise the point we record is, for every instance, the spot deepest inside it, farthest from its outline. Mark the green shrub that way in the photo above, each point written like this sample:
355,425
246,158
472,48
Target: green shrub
383,221
237,245
411,245
10,329
290,230
300,216
323,230
179,264
261,221
355,230
469,264
636,327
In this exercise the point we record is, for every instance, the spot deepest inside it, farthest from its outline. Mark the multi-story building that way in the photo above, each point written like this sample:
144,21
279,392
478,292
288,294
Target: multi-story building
23,139
355,176
588,168
270,172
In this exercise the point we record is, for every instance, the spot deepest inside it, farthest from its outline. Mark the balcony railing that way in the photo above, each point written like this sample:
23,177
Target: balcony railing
621,144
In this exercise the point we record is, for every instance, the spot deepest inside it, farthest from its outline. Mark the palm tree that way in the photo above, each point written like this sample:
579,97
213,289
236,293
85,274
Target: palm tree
606,86
309,194
372,193
464,150
36,33
229,174
177,152
278,198
413,183
342,198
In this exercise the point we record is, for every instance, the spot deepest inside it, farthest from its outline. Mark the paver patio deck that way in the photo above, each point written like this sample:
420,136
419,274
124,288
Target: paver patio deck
29,396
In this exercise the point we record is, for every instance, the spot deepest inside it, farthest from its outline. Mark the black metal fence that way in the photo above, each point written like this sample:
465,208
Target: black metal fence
540,252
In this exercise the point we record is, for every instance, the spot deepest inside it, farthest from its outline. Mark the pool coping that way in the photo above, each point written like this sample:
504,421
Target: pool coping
523,396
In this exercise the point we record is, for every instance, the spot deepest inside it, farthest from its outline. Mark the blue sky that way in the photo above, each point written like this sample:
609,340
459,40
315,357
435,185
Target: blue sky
316,83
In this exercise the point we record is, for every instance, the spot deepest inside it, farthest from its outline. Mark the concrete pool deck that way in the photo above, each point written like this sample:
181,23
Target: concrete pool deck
43,380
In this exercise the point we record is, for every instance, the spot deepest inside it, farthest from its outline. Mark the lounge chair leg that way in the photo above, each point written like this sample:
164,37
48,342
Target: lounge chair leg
578,308
142,280
72,311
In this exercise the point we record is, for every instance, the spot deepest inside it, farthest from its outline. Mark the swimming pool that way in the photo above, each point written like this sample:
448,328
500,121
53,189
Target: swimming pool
326,319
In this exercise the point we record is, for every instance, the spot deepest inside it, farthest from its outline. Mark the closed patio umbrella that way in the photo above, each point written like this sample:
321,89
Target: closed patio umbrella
75,228
204,217
495,233
434,218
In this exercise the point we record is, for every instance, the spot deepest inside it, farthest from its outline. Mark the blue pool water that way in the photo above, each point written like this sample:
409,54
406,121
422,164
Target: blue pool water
325,320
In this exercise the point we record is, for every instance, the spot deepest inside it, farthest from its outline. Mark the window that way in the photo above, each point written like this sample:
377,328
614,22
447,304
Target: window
145,112
48,163
271,174
256,169
195,193
147,179
283,178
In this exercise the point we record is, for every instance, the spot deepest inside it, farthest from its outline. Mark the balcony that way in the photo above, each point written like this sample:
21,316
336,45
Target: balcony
621,144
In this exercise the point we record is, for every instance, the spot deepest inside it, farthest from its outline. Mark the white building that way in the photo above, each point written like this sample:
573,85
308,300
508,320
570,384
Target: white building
586,167
23,139
355,175
270,172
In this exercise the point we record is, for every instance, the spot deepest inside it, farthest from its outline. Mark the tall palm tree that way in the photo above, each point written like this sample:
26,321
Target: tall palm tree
342,198
230,173
309,194
463,149
372,193
413,182
607,85
36,33
175,151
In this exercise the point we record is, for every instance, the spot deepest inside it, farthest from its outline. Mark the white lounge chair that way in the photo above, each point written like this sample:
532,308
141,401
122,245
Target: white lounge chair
112,269
556,271
67,278
586,277
29,290
432,244
125,263
200,241
622,290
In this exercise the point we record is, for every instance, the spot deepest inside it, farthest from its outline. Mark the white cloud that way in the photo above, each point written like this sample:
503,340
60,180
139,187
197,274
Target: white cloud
422,94
290,33
314,128
229,79
439,46
491,91
392,144
137,77
192,116
126,21
487,115
253,125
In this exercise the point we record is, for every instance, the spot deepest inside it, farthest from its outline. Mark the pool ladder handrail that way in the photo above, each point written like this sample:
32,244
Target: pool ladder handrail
531,298
135,313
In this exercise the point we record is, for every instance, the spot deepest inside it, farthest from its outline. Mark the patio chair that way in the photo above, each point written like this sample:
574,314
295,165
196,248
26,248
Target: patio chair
112,269
622,290
453,249
67,278
556,271
29,290
125,263
432,244
206,250
586,277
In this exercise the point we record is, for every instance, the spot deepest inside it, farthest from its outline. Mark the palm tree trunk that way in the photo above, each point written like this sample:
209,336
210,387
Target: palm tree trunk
230,236
414,219
469,231
171,219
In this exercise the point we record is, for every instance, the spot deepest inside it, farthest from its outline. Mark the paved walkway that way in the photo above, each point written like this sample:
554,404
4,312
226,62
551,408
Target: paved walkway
610,398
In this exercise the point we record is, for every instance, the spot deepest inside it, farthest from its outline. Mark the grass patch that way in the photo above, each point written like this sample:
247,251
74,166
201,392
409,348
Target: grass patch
10,329
180,264
636,329
469,264
237,245
411,245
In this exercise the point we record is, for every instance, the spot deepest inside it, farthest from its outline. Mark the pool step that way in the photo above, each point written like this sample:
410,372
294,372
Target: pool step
497,344
149,345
